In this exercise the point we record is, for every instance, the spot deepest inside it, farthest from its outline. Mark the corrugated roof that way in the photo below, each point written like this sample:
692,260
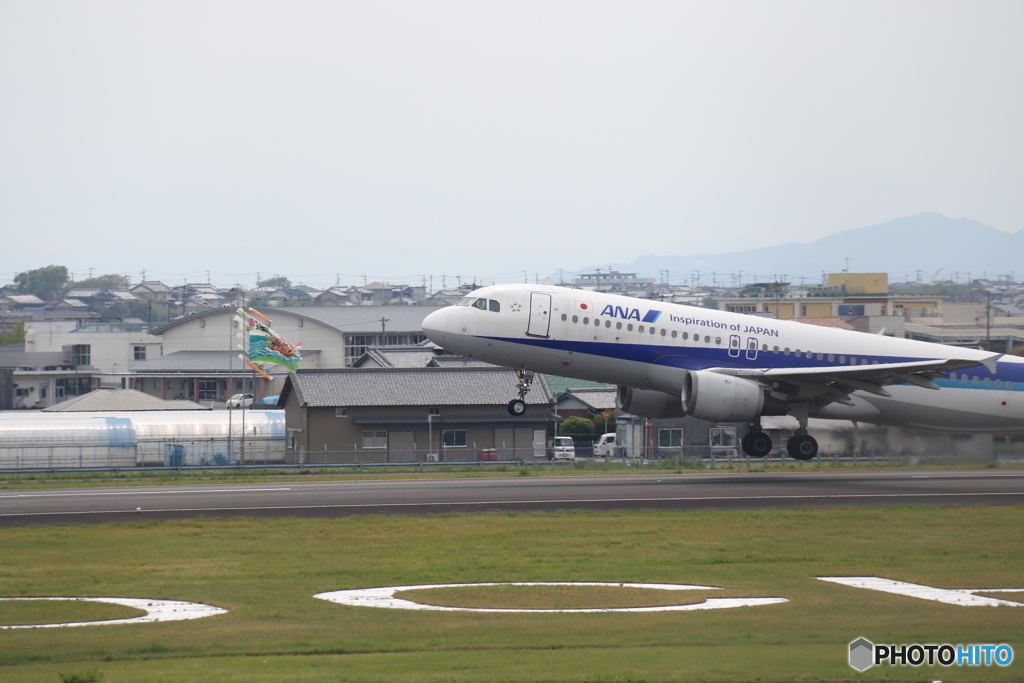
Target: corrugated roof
560,385
410,387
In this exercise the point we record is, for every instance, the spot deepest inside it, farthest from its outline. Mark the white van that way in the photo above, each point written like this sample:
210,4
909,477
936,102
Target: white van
565,449
605,446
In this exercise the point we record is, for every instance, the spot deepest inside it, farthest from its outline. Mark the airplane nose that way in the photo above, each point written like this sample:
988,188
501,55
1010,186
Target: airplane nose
435,326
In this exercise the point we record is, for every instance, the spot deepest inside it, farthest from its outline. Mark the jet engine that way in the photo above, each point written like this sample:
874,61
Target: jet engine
716,397
648,403
705,395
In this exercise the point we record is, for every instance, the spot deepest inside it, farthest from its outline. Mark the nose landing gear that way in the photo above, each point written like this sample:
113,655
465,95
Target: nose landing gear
524,378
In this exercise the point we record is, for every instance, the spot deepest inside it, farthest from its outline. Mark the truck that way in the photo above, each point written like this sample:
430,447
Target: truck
604,447
564,449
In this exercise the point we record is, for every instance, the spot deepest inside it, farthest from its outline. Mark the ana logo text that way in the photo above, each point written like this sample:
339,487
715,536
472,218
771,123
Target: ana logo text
627,313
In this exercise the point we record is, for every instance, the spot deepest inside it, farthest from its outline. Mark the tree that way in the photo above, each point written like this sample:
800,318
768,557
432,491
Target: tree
117,283
709,302
279,281
46,283
15,336
576,426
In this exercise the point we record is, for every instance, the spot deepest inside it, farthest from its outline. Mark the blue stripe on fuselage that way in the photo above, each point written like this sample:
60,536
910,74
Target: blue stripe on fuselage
701,358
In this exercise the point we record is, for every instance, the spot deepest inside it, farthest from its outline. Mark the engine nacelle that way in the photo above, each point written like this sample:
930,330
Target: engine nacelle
716,397
648,403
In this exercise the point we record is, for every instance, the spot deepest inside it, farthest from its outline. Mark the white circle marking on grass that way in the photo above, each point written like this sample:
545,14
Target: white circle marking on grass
155,610
385,597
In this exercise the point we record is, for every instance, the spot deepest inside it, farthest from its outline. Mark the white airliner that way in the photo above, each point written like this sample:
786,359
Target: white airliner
671,360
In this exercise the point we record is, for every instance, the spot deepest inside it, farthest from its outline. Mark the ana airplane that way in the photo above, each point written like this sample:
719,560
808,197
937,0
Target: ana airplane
670,360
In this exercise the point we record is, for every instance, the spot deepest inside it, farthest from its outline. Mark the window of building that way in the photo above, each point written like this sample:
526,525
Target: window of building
453,438
72,386
207,390
372,439
81,354
140,353
434,411
21,392
670,438
341,412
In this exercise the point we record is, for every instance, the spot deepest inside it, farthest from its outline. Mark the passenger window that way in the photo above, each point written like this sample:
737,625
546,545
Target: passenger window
663,332
575,319
652,331
607,323
831,358
629,327
597,323
586,321
707,338
686,335
565,317
641,328
618,326
481,304
494,306
674,334
718,340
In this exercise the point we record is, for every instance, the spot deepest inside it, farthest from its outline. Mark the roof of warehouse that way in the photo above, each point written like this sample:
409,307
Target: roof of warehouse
119,400
409,387
348,319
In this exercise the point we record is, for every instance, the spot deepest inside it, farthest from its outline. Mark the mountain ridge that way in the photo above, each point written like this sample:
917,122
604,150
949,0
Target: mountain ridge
939,247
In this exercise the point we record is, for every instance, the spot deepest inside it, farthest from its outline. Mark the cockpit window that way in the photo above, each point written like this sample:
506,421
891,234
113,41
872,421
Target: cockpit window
481,304
494,306
466,301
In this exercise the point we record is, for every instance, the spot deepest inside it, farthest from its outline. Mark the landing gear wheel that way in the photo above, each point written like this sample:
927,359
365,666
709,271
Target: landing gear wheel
516,407
802,447
757,444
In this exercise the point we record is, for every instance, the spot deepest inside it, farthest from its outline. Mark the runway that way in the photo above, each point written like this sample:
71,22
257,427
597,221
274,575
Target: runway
658,491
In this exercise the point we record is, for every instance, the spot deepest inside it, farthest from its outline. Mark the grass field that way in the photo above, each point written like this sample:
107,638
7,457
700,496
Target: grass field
267,571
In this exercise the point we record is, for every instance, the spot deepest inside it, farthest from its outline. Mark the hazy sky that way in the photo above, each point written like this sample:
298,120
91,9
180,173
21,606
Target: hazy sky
402,139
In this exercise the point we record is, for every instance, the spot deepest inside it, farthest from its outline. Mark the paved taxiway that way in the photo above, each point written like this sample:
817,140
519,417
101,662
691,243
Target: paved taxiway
660,491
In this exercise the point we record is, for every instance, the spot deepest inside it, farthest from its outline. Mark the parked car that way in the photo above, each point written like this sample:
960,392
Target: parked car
564,449
240,401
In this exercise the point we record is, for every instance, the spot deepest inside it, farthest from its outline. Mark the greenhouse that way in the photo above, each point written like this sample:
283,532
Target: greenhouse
33,440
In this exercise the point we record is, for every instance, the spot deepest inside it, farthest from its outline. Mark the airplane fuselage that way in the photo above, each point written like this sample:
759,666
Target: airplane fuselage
649,345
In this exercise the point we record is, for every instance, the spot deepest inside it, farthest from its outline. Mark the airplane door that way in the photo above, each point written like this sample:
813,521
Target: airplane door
751,348
540,314
734,346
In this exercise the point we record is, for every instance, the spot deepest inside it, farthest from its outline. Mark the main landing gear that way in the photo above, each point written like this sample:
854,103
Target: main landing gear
756,443
801,446
524,378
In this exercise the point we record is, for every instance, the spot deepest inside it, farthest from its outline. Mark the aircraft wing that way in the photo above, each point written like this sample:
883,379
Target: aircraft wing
831,383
